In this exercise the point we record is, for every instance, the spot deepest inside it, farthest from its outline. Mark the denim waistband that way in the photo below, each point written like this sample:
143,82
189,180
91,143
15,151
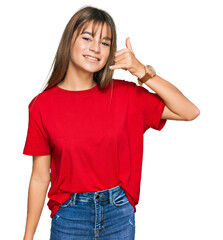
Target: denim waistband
98,195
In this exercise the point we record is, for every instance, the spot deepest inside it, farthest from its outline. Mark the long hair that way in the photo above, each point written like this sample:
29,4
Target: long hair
78,21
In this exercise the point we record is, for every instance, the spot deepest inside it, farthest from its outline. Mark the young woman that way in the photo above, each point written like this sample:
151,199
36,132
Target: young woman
86,129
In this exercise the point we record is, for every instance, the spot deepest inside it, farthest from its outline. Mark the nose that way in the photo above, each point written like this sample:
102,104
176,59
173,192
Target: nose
95,46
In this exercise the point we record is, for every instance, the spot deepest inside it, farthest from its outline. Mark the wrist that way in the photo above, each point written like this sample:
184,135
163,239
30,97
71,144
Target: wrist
140,71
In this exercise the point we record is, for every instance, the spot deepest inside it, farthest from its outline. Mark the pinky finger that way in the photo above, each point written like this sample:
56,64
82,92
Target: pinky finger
115,67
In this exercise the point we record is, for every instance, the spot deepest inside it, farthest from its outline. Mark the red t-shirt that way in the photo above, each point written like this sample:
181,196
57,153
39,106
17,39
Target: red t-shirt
94,136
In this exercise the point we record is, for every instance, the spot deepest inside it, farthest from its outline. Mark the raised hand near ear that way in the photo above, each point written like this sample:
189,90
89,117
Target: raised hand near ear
125,59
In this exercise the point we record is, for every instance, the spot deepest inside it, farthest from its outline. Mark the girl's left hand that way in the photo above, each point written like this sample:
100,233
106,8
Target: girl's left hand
125,59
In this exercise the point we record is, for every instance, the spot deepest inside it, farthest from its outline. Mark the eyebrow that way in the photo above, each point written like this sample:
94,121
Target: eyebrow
107,38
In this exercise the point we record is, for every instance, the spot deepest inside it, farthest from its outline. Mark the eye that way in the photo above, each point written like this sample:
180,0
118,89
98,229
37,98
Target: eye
106,44
85,38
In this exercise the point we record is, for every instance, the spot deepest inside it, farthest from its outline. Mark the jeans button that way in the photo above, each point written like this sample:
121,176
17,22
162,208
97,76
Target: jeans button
97,197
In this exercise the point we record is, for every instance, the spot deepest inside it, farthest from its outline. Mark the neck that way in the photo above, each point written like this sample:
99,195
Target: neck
77,79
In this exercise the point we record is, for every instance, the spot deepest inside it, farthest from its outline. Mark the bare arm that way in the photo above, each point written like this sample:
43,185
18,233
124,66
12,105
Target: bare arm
178,107
38,186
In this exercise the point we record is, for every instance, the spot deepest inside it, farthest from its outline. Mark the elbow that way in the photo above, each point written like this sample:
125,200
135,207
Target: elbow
193,114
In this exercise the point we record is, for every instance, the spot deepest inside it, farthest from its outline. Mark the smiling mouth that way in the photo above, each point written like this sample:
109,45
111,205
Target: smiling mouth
91,58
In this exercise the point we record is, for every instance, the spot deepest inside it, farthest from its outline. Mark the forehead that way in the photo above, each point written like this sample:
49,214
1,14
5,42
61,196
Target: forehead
97,28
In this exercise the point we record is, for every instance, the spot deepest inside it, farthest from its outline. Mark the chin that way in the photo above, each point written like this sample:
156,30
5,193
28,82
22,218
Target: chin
92,69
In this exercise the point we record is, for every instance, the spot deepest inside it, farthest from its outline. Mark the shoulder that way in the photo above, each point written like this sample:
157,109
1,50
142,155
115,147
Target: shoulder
41,99
130,86
122,82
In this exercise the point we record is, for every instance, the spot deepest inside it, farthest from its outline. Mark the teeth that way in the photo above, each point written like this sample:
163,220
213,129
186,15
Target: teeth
92,58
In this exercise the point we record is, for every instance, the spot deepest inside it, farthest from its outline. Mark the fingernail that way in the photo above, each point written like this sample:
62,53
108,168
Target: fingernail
110,67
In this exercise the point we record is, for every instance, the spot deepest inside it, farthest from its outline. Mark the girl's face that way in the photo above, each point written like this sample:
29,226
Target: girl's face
86,45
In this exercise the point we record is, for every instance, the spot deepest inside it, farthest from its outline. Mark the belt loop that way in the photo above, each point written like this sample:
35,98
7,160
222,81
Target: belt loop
110,196
74,198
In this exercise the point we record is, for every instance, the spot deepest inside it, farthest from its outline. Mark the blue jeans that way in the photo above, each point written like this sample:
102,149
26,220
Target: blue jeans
106,214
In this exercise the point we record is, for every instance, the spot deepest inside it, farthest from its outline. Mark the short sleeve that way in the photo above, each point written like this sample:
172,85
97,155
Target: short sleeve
151,106
37,139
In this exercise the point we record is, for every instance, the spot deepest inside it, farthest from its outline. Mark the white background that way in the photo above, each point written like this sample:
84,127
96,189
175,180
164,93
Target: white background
181,188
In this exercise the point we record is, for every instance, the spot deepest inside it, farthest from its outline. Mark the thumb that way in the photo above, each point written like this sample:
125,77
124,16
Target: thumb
128,44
